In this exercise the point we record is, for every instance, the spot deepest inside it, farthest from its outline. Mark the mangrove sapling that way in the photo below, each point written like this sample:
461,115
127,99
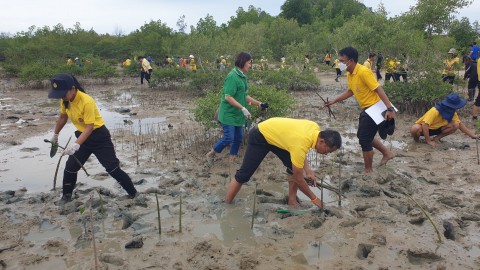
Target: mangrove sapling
254,203
428,216
101,210
58,165
158,214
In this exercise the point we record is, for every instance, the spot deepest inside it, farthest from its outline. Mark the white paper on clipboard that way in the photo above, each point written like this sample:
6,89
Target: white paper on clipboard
375,111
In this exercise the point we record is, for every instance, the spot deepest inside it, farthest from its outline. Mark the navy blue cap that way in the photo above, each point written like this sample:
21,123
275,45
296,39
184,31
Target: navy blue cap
61,83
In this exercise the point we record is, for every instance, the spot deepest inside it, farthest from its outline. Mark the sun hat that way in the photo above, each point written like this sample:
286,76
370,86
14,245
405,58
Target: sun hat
454,101
61,83
191,56
452,51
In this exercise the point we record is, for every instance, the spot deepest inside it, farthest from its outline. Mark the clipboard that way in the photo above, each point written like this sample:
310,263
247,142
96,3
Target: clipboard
375,111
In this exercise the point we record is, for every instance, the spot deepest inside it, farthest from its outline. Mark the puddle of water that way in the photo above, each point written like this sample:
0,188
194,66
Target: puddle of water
43,235
35,170
317,252
233,227
51,263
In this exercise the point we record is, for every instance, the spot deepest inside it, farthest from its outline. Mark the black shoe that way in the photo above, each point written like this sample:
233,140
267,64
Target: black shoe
391,126
382,130
65,199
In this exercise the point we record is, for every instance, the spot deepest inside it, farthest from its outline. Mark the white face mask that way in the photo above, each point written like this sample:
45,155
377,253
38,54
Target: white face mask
342,66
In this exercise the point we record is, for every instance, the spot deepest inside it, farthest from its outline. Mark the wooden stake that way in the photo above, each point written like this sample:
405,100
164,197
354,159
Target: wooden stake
93,232
478,155
158,214
180,217
254,202
58,165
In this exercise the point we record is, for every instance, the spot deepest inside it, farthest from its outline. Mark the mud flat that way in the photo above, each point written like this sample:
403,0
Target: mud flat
377,226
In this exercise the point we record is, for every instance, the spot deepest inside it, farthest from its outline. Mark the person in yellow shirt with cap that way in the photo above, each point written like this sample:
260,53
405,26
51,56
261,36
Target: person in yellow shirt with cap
92,135
440,121
290,140
450,66
367,91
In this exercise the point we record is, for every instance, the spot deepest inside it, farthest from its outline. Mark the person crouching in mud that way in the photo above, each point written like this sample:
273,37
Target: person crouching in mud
290,140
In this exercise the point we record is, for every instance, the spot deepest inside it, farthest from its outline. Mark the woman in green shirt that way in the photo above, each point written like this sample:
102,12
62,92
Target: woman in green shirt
232,112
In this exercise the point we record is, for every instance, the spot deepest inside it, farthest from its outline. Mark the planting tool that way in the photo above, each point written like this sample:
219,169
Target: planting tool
330,112
57,146
293,212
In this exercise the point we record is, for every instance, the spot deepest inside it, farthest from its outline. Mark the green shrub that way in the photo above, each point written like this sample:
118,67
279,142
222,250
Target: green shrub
100,69
202,82
35,73
133,70
288,79
169,77
280,101
417,95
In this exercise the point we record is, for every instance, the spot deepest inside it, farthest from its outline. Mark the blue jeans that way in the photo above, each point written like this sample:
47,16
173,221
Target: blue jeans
232,135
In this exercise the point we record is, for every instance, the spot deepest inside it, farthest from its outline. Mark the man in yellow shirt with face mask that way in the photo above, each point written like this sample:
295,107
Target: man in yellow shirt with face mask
450,66
367,91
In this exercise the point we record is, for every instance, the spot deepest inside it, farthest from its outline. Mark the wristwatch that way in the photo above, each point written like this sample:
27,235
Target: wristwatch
391,109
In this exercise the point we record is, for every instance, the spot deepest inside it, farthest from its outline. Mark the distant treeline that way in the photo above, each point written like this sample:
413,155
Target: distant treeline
304,27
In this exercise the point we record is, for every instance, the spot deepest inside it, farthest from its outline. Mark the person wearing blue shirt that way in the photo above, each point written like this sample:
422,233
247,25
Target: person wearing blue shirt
474,52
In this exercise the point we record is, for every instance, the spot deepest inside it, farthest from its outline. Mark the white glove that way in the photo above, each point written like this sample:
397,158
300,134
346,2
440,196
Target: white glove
246,112
54,139
71,149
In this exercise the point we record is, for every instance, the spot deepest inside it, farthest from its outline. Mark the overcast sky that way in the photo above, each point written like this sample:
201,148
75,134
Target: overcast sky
112,16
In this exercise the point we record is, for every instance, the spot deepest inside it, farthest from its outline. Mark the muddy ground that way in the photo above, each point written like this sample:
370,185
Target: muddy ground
380,224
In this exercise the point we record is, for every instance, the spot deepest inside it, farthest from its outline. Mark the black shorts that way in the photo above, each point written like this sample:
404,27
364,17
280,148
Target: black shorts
367,129
257,149
339,72
434,132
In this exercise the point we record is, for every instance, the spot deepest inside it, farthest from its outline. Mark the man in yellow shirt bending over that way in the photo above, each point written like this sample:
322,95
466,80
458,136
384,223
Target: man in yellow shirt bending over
440,121
290,140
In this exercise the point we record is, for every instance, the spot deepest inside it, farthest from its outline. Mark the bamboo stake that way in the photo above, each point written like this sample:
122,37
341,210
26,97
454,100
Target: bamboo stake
93,232
180,217
428,216
58,165
254,202
478,155
158,214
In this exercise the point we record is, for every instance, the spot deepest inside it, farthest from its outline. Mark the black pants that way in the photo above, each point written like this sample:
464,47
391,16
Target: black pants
257,149
448,78
145,75
100,144
379,76
390,75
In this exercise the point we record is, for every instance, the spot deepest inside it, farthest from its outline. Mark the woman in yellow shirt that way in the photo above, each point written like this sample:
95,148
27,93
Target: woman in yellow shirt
92,135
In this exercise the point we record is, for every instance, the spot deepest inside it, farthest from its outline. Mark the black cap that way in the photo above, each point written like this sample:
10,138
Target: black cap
61,84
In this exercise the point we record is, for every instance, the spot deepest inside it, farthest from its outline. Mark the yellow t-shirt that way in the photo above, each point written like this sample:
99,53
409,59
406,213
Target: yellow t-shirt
478,71
296,136
145,65
337,63
363,84
367,64
82,111
435,120
450,66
